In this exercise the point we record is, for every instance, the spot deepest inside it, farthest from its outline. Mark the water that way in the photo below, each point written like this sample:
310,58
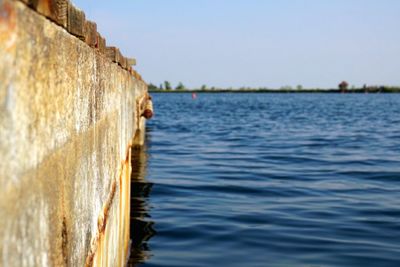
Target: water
270,180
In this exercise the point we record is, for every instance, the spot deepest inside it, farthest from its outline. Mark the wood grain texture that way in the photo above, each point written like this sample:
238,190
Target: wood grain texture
91,33
76,22
55,10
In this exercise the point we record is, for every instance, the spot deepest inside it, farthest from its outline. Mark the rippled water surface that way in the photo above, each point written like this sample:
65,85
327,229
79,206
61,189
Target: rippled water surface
269,180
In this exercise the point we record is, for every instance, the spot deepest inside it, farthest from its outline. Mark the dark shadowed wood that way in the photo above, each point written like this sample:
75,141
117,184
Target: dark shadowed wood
101,44
120,59
76,21
62,12
125,63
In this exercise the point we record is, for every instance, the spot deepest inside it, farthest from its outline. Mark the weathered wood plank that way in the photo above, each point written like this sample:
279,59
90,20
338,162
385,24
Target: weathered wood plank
62,12
65,14
131,61
120,58
55,10
122,62
76,21
126,65
91,33
113,54
101,44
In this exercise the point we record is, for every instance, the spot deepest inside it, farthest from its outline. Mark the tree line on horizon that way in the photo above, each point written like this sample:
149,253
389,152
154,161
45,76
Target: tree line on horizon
343,87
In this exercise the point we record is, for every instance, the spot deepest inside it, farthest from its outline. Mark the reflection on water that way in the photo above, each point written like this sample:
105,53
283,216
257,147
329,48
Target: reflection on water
141,223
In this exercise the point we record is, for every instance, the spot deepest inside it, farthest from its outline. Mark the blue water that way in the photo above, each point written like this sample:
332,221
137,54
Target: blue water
270,180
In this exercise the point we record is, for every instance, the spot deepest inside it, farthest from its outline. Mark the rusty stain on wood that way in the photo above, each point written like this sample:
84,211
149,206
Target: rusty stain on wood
98,242
7,16
7,26
101,224
64,245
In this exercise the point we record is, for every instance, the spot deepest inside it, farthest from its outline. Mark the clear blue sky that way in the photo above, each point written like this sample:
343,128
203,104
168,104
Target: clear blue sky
260,43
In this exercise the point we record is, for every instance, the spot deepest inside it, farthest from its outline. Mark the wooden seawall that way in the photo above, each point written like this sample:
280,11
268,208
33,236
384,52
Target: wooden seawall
70,110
